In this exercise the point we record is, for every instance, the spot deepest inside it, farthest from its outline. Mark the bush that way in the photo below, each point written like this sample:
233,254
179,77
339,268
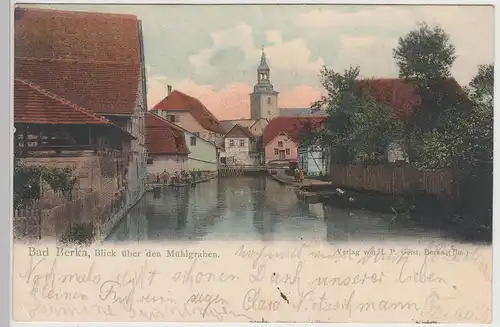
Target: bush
81,234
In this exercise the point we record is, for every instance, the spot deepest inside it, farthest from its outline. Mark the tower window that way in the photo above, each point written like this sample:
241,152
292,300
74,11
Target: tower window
269,100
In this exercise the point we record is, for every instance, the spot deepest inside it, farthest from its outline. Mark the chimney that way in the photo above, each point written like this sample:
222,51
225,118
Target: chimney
169,88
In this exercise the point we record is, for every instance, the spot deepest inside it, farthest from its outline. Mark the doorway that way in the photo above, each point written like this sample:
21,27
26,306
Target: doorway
282,154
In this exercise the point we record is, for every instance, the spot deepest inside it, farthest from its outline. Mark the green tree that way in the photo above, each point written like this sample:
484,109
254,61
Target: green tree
464,141
425,57
424,54
339,102
374,127
479,125
357,126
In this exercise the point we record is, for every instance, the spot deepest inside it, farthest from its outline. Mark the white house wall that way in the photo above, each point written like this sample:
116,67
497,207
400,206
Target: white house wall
169,162
203,155
313,161
395,152
239,155
137,169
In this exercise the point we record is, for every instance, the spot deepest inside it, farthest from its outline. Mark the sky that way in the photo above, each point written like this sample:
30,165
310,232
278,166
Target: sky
211,52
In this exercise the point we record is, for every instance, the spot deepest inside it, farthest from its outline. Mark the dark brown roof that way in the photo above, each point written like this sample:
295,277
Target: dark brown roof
163,137
402,96
292,126
92,59
178,101
242,131
34,105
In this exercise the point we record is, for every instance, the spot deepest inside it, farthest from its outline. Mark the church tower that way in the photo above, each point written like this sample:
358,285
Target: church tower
264,99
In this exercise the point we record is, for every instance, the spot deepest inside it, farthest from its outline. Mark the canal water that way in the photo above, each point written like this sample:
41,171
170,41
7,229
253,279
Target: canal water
258,209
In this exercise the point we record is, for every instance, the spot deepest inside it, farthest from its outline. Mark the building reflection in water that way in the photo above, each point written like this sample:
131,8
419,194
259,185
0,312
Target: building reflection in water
337,224
253,209
262,222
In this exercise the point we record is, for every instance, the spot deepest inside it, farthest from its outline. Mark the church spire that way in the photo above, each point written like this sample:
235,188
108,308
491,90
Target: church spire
263,62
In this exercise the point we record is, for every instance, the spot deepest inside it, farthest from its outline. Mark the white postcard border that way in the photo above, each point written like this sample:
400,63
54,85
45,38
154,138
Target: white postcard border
6,119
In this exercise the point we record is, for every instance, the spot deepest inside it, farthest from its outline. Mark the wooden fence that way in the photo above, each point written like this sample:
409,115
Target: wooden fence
393,179
34,223
27,224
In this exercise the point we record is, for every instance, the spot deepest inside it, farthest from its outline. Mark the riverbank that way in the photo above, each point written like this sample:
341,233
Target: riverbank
423,209
105,229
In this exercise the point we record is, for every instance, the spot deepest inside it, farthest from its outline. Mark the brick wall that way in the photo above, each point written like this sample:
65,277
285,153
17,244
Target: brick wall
108,179
95,173
84,166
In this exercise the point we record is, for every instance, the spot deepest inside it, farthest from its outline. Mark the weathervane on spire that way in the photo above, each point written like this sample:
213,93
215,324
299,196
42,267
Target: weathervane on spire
263,57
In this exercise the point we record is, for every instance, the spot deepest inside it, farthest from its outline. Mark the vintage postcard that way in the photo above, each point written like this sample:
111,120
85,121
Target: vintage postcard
253,163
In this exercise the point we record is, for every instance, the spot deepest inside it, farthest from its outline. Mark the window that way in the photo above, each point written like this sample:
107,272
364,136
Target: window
172,118
287,152
276,152
280,144
193,140
150,161
196,134
242,143
231,142
269,100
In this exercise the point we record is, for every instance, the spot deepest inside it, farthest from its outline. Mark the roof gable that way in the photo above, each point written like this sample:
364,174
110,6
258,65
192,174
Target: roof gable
178,101
258,120
288,138
239,131
163,137
292,126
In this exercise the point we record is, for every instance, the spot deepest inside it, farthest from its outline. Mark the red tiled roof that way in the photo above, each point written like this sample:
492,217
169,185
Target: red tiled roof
34,105
243,129
292,126
403,96
92,59
178,101
163,137
104,87
91,36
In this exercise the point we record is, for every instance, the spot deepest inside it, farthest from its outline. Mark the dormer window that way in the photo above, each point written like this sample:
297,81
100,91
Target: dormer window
268,100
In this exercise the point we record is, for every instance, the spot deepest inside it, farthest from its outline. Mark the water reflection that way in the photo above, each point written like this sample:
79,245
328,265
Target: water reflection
254,209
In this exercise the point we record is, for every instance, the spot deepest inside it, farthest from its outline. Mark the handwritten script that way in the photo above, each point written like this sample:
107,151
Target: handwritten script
234,282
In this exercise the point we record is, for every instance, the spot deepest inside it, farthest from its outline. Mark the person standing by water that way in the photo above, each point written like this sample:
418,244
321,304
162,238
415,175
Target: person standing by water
296,174
301,175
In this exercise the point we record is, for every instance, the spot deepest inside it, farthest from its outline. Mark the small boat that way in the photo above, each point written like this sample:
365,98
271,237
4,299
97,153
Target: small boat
183,185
